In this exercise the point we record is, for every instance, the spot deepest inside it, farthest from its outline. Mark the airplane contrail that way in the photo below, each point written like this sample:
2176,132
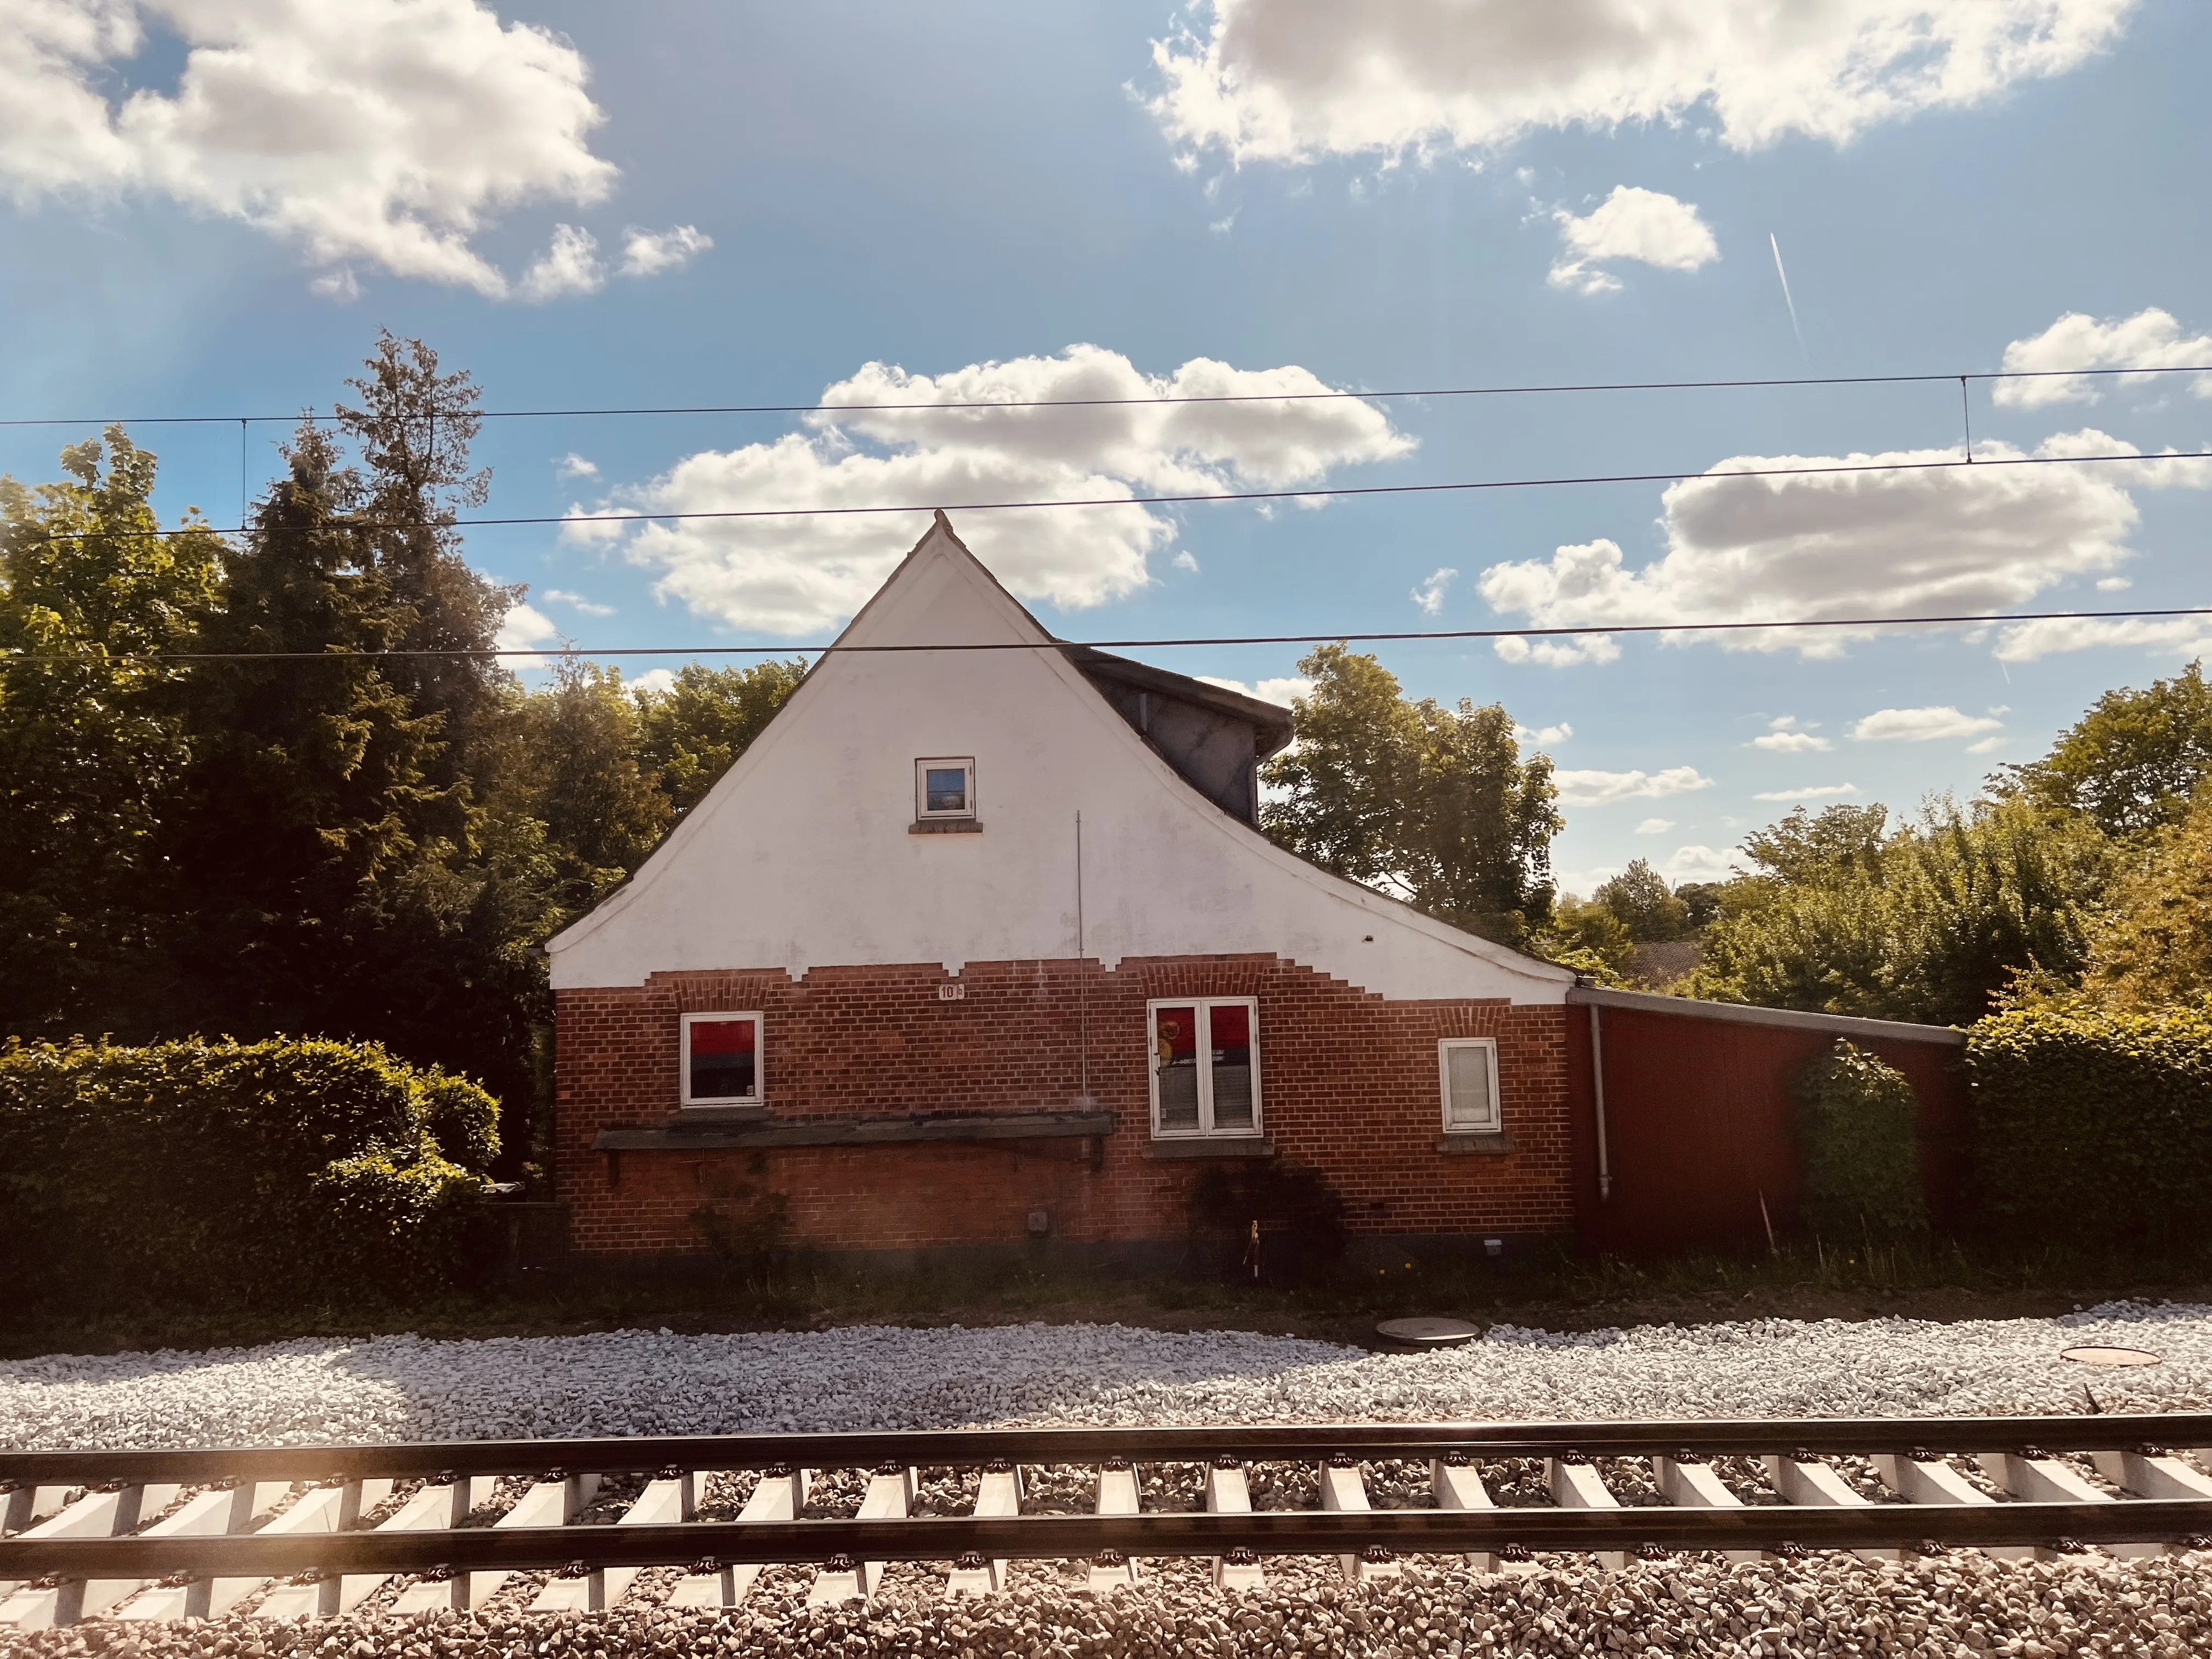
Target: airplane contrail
1786,300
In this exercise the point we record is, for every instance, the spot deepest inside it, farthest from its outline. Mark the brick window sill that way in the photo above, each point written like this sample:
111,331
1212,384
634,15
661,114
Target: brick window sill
1195,1146
1492,1144
945,827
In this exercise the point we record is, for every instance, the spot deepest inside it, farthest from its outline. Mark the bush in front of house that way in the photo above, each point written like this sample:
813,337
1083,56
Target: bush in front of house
225,1172
1858,1138
2093,1124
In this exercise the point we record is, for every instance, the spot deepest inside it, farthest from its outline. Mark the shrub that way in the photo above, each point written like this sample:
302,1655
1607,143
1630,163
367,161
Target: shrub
2094,1125
213,1172
1858,1137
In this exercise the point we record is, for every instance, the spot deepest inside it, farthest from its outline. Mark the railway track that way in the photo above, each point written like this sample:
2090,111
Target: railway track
320,1531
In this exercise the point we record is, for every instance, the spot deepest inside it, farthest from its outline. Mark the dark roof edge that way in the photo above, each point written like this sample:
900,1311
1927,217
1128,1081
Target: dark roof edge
1792,1019
1271,718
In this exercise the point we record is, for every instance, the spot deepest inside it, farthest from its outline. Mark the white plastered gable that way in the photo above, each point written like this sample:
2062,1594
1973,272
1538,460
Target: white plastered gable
802,856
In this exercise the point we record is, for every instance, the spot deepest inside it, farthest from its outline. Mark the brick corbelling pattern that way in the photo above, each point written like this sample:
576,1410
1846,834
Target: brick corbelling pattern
1348,1085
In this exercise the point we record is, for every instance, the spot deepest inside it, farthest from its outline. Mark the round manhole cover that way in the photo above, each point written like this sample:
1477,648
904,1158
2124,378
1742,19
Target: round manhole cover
2094,1355
1427,1333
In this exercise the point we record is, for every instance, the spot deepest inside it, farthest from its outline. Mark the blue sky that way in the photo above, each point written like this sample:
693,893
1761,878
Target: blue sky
210,209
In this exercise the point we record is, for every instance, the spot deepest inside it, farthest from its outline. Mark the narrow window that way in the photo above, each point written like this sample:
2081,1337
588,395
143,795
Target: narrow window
944,788
1205,1067
721,1059
1469,1069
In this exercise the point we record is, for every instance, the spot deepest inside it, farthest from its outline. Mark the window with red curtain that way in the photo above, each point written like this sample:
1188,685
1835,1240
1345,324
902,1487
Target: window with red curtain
721,1059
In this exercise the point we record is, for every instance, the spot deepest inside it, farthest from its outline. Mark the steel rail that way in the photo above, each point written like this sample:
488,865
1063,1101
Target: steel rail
1426,1532
953,1448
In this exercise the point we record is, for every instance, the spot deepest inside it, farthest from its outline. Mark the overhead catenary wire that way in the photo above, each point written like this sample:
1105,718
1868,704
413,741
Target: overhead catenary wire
1533,389
1334,636
1317,492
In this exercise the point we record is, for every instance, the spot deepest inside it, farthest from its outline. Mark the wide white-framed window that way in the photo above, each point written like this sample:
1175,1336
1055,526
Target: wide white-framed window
1205,1066
944,787
721,1059
1466,1074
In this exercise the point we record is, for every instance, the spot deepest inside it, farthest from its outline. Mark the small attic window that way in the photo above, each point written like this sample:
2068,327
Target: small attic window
944,787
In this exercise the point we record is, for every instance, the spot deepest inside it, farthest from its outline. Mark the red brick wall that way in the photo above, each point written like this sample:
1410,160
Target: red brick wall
1348,1086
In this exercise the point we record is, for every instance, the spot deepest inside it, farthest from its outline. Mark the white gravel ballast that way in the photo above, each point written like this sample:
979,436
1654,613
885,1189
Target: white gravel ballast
406,1388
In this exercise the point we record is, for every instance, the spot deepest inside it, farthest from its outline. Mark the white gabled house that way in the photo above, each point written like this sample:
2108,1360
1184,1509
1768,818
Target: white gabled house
979,941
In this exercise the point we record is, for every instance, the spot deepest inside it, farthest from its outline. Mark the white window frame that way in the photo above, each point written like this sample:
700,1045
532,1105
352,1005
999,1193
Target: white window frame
1203,1005
1489,1046
759,1095
922,768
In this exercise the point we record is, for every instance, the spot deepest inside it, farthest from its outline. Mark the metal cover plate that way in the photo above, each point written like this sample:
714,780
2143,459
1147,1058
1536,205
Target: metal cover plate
1425,1332
2094,1355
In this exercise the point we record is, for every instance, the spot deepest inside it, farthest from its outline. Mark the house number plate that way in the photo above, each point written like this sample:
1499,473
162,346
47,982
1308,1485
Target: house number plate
954,992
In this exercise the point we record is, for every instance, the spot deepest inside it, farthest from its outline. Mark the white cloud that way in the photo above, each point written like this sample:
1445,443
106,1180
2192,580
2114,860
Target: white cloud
2183,637
2151,339
570,265
1428,594
1282,689
1631,224
1294,80
340,285
648,253
1185,560
1952,541
1654,826
1560,652
1695,864
572,465
389,131
658,681
1543,736
578,602
523,629
1783,736
1921,725
1603,788
793,576
1986,746
1811,792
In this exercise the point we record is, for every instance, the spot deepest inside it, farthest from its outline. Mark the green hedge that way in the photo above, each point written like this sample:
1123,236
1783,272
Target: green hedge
219,1172
1858,1139
2094,1126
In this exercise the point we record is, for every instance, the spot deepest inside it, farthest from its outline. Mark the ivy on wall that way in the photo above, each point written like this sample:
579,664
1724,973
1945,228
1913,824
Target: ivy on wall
1858,1135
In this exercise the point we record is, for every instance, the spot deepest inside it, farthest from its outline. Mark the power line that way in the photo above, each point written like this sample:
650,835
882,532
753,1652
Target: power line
1538,390
1339,636
1319,492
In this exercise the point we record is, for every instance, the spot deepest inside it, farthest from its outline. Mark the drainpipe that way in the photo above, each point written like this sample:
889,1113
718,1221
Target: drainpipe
1597,1084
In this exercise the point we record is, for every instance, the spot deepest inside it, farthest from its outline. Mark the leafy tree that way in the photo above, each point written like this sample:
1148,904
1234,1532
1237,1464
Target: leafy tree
1932,923
310,788
576,768
1343,785
1431,803
91,747
413,427
1648,908
689,734
2133,763
1841,841
2152,948
1701,901
1588,937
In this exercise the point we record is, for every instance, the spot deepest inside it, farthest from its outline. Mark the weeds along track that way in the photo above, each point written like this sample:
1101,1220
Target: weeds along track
690,1521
